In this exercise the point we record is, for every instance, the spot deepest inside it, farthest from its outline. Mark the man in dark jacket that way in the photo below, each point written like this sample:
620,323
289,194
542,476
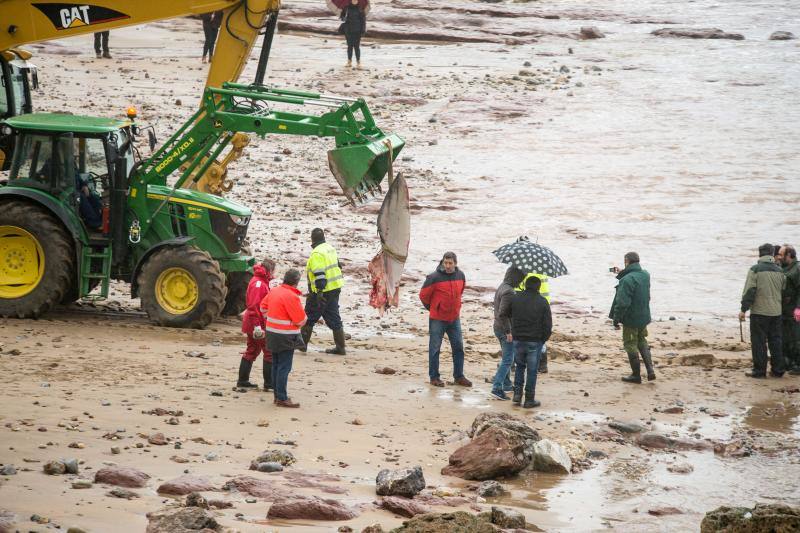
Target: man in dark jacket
502,330
763,296
531,327
631,308
791,309
441,295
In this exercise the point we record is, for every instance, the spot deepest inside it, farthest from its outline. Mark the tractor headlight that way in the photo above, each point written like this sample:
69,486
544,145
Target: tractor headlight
240,221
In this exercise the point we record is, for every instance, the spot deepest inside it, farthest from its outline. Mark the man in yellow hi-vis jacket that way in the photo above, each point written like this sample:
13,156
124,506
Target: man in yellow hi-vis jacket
544,290
325,282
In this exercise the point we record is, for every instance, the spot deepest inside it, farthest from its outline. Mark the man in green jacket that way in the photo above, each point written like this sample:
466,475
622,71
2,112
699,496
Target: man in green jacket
763,296
791,308
631,308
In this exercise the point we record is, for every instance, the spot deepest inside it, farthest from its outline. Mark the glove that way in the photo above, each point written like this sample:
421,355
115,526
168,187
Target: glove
797,314
258,333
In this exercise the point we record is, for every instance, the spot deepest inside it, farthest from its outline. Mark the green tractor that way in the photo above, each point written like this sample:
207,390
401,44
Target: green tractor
81,207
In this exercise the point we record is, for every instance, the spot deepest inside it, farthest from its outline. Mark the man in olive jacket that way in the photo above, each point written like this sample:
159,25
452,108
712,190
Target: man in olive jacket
631,308
762,296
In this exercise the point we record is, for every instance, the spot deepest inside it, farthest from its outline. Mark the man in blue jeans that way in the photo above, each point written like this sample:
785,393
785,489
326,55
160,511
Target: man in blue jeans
531,327
441,295
502,330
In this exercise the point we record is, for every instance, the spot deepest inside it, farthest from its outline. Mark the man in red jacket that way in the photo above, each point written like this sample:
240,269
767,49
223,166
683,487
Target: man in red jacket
253,326
441,295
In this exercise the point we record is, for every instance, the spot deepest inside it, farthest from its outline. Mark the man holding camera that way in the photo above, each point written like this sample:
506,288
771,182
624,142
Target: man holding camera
631,308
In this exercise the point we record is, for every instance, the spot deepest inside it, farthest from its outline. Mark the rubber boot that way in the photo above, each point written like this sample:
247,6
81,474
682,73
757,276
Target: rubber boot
648,363
244,374
338,338
306,332
636,376
530,403
267,373
543,364
517,399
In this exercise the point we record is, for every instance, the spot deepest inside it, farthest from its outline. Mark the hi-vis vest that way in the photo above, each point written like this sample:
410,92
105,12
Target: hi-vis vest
324,263
544,290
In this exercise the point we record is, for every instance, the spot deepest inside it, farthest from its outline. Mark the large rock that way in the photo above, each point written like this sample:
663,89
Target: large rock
260,488
404,482
7,521
505,421
284,457
662,442
184,485
181,520
54,468
507,518
549,456
697,33
403,506
311,508
458,522
489,489
121,476
771,518
782,36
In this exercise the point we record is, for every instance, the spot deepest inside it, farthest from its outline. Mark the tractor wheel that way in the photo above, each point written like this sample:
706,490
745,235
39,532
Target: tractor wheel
182,287
236,300
37,260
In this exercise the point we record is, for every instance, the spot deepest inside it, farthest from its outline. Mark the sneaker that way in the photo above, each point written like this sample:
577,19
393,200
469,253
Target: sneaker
776,374
500,395
651,377
99,55
632,379
287,403
517,399
106,55
246,385
530,404
464,382
757,375
795,371
437,382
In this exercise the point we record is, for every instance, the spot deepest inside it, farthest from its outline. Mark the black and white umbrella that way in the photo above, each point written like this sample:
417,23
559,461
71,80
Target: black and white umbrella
531,257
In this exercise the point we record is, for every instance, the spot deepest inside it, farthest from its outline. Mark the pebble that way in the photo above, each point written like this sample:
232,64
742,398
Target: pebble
8,470
211,456
81,484
115,450
105,403
71,466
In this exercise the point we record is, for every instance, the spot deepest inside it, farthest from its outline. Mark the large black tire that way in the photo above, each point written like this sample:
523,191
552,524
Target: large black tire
236,300
209,287
58,254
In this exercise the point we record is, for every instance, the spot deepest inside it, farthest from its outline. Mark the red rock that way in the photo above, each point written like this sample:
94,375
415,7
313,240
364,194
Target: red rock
494,453
403,506
184,485
311,508
121,476
157,439
260,488
664,511
662,442
313,481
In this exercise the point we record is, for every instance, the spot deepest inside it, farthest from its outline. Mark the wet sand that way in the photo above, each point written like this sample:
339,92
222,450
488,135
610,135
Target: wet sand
626,160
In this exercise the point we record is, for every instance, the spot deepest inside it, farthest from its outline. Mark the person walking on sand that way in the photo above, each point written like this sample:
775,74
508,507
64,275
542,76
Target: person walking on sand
211,24
503,297
101,44
791,309
325,282
354,25
531,327
253,326
762,296
441,295
283,318
631,308
545,292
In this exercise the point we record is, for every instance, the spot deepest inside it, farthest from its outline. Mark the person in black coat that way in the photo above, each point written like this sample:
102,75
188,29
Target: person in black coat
354,25
211,24
531,327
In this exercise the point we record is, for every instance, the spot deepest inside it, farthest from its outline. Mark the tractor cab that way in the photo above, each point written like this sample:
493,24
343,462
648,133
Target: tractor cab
72,159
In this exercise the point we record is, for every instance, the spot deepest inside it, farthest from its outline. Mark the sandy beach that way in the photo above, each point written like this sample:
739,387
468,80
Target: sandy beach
683,150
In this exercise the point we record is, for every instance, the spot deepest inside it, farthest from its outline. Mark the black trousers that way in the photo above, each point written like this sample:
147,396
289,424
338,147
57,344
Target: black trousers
353,44
101,38
327,308
766,331
211,38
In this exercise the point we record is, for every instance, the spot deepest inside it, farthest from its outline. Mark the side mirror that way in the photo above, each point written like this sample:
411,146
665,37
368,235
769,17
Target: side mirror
151,139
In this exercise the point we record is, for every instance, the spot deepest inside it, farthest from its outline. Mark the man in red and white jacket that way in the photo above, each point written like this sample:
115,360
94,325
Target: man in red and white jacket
253,326
441,295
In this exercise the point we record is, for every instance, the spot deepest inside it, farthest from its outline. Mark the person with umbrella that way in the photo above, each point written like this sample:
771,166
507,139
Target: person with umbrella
354,25
503,298
631,308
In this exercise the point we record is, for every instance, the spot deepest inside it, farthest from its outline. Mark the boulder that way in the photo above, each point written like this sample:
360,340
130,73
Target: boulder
7,521
269,467
260,488
54,468
122,477
311,508
507,518
489,489
763,518
662,442
626,427
283,457
404,482
403,506
549,456
181,486
505,421
782,36
494,453
575,448
459,521
181,520
697,33
591,32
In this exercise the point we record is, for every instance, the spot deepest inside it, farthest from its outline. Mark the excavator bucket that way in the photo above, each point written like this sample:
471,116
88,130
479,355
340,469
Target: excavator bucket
360,168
